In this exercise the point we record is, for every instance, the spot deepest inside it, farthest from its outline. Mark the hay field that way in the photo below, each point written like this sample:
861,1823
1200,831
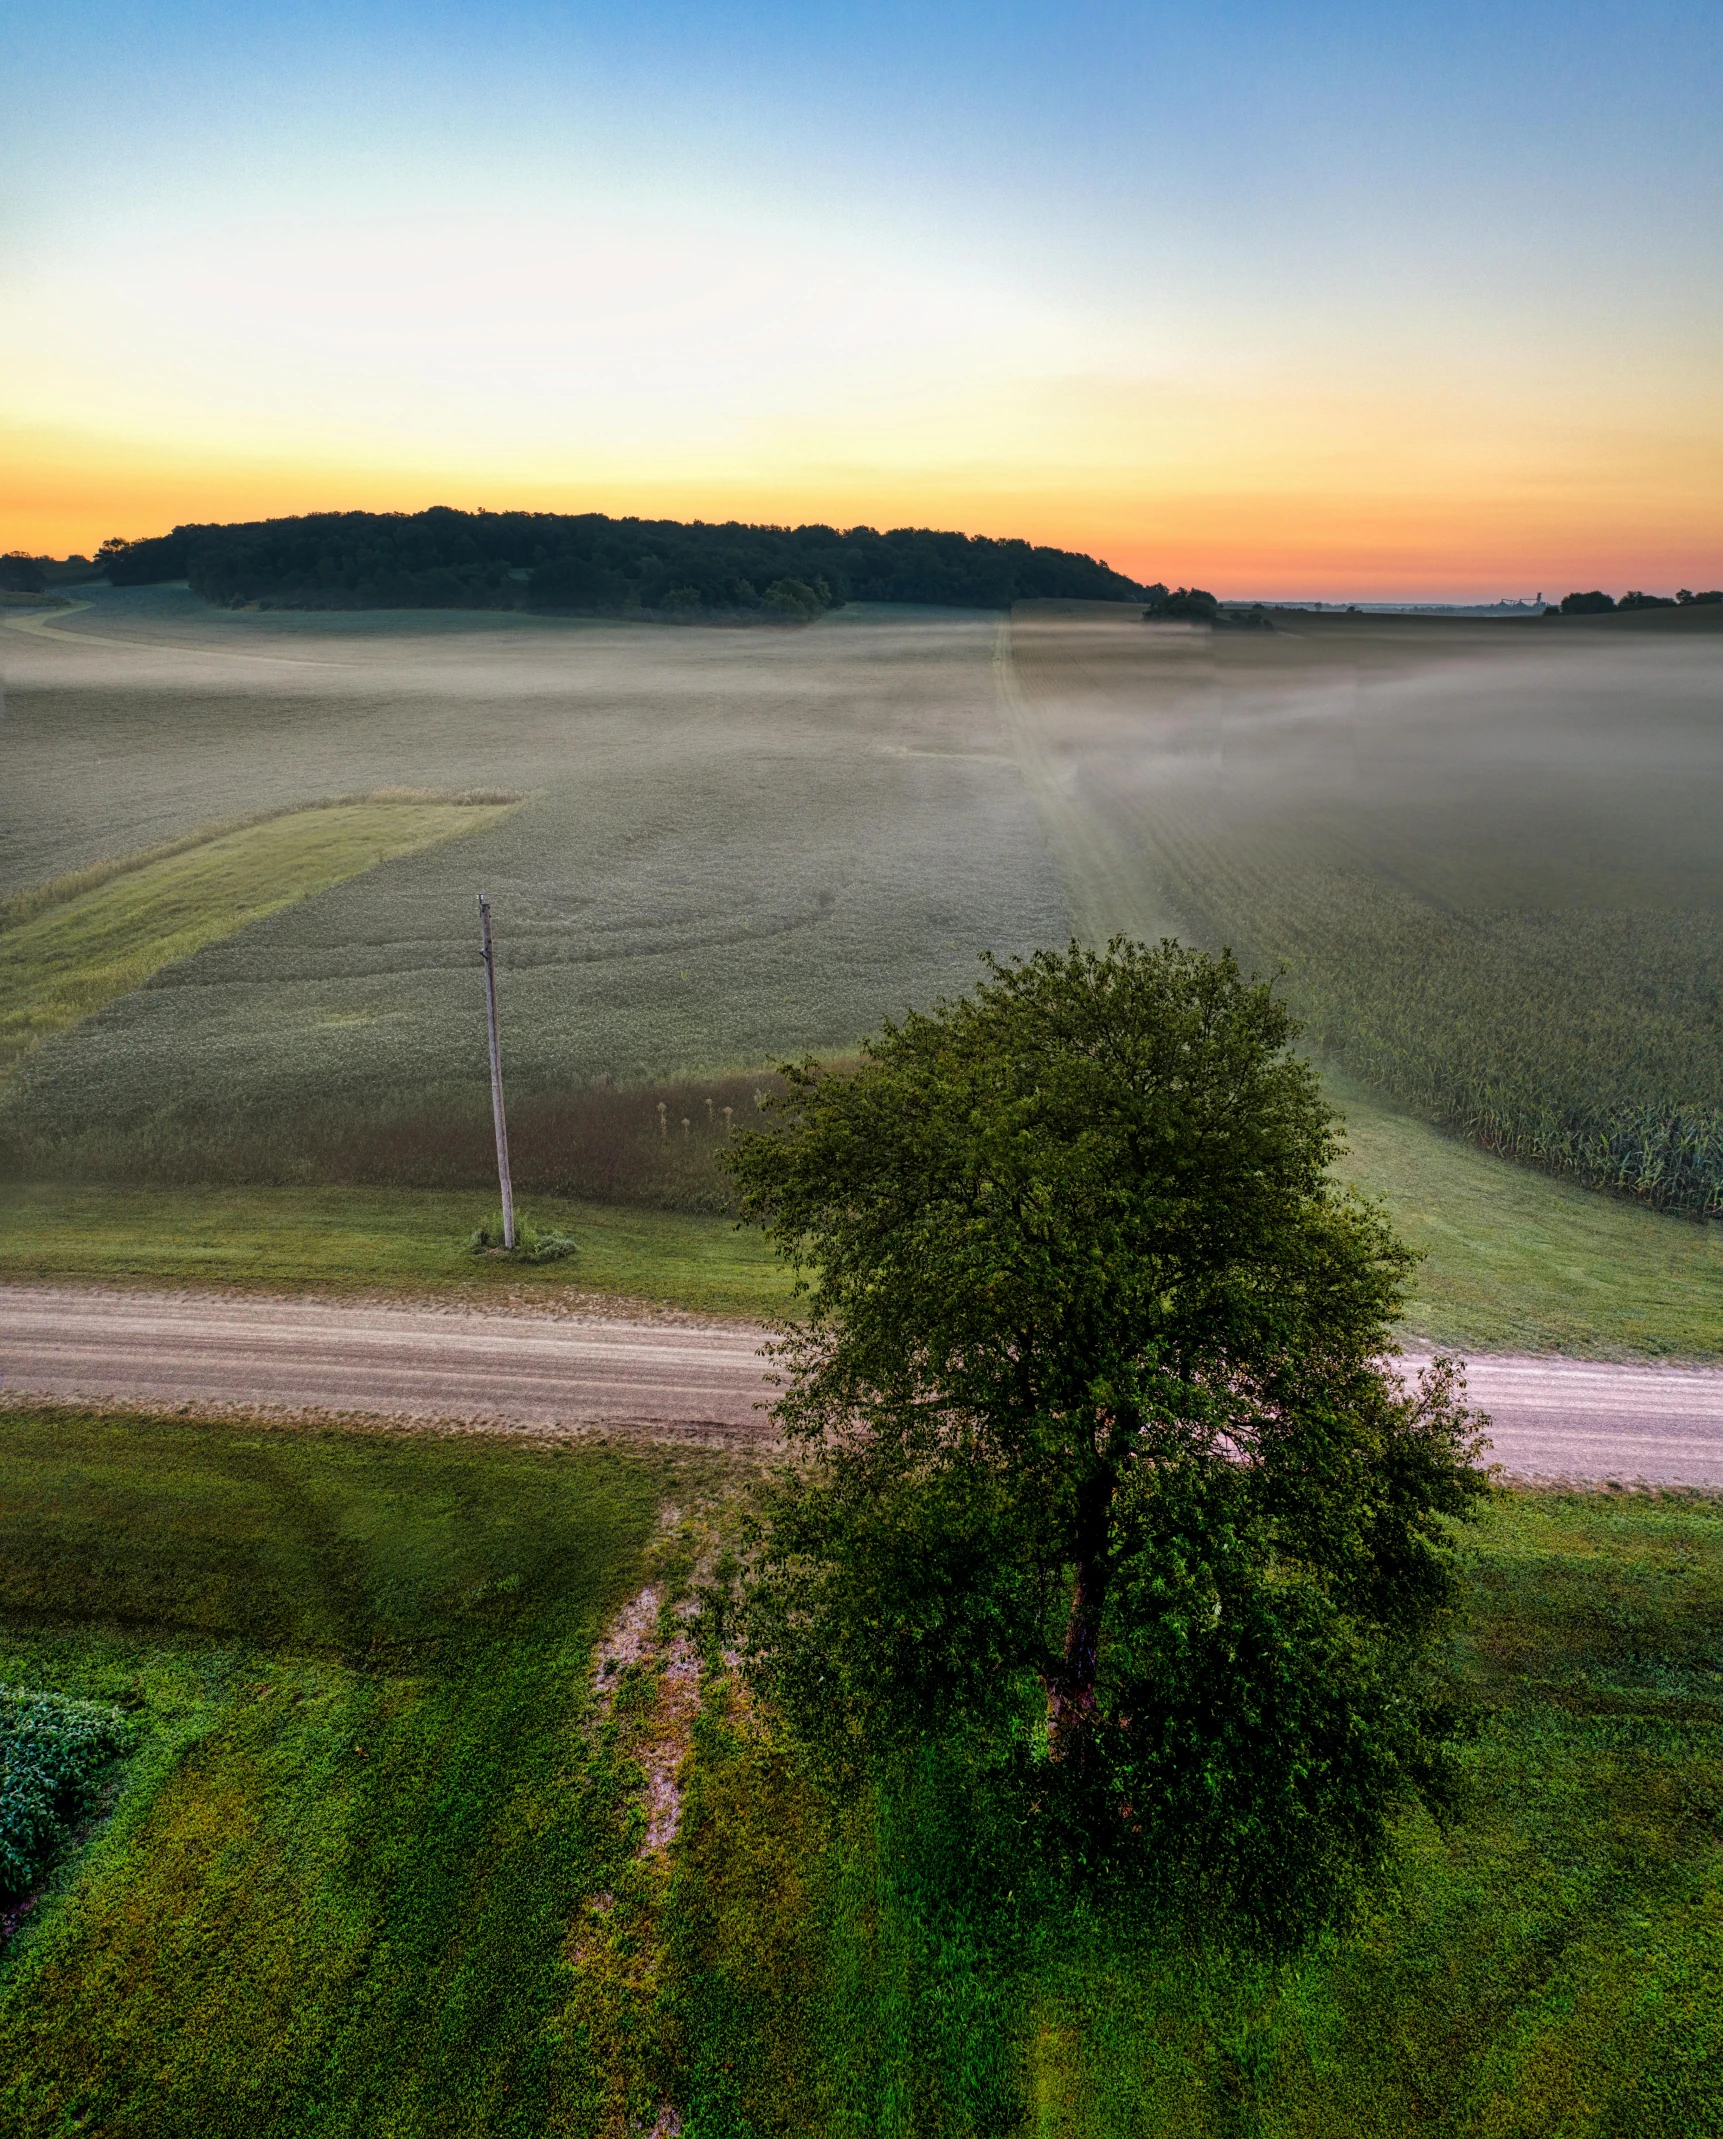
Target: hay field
732,844
1486,857
78,941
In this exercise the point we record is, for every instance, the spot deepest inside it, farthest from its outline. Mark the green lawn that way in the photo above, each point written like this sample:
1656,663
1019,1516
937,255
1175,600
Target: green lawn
1552,1965
336,1888
76,943
367,1239
360,1866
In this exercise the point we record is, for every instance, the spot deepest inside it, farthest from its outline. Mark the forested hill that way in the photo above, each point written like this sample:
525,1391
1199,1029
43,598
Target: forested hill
588,563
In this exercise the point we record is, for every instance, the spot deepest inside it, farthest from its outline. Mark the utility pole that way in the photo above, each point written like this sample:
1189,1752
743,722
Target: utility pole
497,1074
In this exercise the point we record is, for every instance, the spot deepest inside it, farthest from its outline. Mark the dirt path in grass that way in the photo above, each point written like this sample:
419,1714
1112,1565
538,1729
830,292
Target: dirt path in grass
681,1378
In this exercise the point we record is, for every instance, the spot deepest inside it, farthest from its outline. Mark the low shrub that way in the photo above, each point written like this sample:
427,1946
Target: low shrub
52,1754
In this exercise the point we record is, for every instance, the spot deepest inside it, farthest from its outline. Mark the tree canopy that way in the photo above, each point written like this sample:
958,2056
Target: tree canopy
1103,1480
586,562
1185,605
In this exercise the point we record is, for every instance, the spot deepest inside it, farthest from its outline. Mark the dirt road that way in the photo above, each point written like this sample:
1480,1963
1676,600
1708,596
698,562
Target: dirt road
1552,1418
210,1349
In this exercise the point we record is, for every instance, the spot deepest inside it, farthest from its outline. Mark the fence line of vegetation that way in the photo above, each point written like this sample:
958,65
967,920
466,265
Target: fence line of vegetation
653,1146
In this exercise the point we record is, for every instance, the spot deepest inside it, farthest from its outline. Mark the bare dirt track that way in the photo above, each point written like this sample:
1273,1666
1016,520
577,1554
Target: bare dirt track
1551,1419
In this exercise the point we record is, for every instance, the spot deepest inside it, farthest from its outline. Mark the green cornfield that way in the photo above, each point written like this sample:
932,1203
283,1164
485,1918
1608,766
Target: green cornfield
1586,1042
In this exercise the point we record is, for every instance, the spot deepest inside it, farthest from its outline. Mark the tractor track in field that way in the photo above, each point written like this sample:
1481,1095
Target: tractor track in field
671,1377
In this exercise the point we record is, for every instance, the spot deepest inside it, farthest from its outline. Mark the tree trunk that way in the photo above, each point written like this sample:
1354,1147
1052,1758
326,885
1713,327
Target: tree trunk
1071,1697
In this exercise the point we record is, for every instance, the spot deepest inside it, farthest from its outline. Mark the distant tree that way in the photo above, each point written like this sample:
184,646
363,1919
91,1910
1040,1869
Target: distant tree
1187,605
21,573
1592,604
1637,600
1104,1480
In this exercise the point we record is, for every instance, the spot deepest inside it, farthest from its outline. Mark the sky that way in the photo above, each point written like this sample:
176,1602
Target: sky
1333,301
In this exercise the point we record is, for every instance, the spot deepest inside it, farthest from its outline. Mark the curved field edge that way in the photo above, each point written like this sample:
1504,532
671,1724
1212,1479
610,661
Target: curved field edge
77,942
1516,1261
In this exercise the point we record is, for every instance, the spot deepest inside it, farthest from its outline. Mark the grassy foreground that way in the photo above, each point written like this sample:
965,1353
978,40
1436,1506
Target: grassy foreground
347,1879
334,1893
1554,1964
376,1240
78,942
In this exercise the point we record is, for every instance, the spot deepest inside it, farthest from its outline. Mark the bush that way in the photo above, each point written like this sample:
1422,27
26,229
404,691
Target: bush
1595,603
52,1754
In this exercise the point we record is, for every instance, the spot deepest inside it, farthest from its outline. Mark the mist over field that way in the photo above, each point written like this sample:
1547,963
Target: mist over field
1485,857
728,845
1482,856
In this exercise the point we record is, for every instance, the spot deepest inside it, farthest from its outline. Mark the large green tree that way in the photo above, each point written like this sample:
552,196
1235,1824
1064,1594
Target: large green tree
1105,1482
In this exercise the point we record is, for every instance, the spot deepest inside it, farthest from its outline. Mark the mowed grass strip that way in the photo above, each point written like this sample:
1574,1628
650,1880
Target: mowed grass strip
336,1888
347,1240
61,961
1514,1261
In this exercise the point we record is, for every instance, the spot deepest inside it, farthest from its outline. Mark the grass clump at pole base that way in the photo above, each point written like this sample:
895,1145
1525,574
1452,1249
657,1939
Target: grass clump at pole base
1106,1493
531,1244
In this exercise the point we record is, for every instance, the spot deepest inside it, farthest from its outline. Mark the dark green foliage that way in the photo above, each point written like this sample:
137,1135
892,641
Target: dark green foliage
21,573
1549,1962
1107,1485
1593,604
1186,605
52,1755
585,562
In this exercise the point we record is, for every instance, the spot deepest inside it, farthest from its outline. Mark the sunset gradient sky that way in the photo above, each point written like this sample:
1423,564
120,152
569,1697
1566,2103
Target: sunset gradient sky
1282,300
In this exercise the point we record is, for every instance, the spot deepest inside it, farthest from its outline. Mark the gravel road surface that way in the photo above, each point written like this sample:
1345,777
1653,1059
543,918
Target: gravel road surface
664,1377
1550,1418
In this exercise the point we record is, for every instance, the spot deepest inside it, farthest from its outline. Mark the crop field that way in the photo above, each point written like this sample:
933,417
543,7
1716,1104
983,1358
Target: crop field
733,843
1485,857
368,1844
